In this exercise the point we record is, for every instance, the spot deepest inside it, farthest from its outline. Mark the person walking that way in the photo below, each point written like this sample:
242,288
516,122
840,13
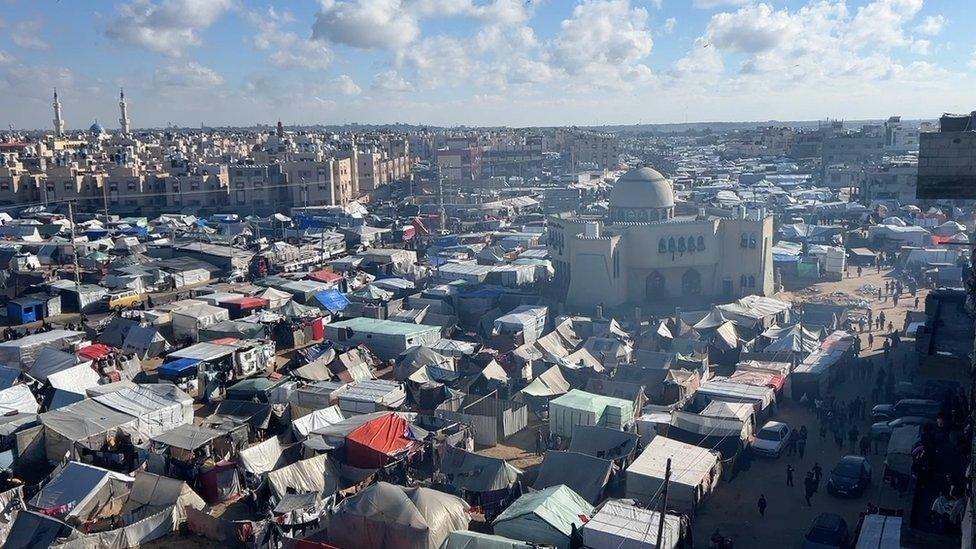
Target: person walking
762,505
817,472
916,302
865,445
540,445
789,475
801,444
809,487
870,340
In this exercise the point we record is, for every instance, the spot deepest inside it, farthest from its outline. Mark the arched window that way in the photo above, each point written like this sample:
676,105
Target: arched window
743,281
701,243
752,241
662,246
745,241
681,244
691,243
752,281
671,245
630,215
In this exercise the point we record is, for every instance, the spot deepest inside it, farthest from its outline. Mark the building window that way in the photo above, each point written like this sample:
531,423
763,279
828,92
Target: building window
681,244
752,241
701,243
662,246
671,245
745,241
616,264
743,281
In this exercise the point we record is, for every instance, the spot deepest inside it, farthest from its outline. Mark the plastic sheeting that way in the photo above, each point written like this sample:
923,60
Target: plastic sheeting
315,474
188,321
18,399
316,420
373,444
477,473
263,457
394,517
87,423
585,475
151,494
620,525
695,472
158,407
545,518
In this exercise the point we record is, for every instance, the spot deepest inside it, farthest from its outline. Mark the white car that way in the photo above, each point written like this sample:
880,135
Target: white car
772,439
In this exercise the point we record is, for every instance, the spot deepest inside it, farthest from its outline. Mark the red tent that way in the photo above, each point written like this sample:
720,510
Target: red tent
371,445
325,276
94,351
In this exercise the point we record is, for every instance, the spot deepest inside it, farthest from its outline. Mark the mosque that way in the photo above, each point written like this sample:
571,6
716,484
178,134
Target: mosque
643,254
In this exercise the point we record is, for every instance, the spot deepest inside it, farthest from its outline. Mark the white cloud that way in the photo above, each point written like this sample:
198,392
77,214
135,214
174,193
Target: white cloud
186,75
921,47
27,35
346,85
605,40
287,50
436,61
5,58
669,24
391,81
931,25
169,27
366,24
972,60
711,4
881,23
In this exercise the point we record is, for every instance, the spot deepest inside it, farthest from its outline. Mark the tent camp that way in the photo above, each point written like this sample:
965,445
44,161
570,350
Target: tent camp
393,517
158,407
466,539
695,473
581,408
603,442
546,517
151,494
266,456
618,524
24,351
546,386
85,424
190,320
586,475
32,530
492,420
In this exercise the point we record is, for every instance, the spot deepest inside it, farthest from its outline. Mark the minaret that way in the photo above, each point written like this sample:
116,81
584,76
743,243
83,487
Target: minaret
58,122
123,112
280,130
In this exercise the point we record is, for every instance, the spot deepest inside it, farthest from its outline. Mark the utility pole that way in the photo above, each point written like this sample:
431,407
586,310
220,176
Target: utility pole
664,504
74,253
441,213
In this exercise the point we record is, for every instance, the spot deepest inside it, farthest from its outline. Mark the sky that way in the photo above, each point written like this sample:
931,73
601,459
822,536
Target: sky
483,62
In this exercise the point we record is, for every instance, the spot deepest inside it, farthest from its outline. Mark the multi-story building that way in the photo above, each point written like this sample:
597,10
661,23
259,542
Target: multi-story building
946,160
257,187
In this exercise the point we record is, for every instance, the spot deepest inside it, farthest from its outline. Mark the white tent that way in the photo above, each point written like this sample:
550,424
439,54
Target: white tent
188,321
315,474
18,398
695,473
619,524
158,407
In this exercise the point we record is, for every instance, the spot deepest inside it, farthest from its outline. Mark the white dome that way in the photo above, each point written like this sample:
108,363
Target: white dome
642,188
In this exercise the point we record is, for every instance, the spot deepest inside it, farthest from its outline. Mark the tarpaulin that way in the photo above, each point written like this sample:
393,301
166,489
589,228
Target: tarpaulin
371,445
332,300
94,351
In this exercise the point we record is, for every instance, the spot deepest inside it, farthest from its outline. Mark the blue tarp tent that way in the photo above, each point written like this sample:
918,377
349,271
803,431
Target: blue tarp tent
24,310
179,368
332,300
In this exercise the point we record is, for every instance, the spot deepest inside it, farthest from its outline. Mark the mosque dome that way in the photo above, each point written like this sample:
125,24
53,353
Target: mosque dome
642,194
96,128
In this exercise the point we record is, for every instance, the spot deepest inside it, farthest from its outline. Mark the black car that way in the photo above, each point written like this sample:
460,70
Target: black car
828,531
915,407
850,477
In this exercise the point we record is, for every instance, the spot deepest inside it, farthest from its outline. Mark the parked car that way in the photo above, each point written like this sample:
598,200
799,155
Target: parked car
850,477
828,531
916,407
772,439
882,429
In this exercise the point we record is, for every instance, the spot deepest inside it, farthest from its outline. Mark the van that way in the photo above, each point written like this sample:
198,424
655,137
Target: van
915,407
125,299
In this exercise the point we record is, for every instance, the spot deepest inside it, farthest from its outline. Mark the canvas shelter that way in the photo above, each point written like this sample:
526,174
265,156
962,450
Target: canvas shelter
585,475
151,493
394,517
476,473
728,436
19,399
467,539
762,398
695,473
266,456
313,475
31,530
604,443
158,407
546,517
380,441
188,321
86,424
545,387
317,419
581,408
78,493
618,524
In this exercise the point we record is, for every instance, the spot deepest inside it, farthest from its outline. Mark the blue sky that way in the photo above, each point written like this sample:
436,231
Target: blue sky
484,62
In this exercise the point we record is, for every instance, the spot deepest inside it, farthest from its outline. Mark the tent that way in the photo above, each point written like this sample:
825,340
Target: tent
581,408
379,441
317,419
275,298
313,475
266,456
50,361
477,473
179,369
145,342
78,493
190,320
332,300
413,359
545,386
151,494
18,398
86,423
393,517
466,539
546,517
159,407
603,442
619,524
32,530
233,328
585,475
695,473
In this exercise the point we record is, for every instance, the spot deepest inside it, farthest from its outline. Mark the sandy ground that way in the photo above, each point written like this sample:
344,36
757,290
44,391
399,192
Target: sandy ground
733,507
